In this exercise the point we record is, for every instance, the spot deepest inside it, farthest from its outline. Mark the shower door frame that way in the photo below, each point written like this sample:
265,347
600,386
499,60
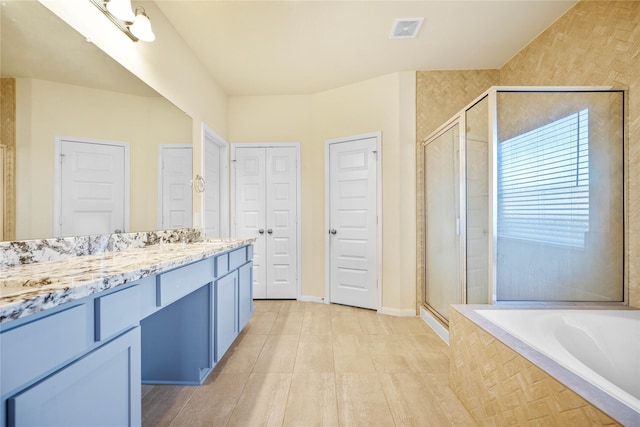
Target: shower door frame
460,121
492,117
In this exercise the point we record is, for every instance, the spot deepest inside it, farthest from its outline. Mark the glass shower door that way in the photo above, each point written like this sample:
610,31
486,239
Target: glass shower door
442,221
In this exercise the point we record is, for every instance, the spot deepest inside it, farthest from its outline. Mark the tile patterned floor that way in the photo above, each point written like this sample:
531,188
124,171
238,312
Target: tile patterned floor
309,364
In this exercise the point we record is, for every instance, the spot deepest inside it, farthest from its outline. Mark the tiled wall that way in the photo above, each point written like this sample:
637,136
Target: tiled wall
501,388
8,141
594,43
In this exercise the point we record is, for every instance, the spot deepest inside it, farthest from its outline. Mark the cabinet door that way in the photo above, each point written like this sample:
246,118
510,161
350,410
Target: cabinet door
100,389
245,294
226,313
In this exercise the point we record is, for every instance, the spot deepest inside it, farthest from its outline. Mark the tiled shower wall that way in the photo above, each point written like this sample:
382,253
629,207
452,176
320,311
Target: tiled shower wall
8,142
596,43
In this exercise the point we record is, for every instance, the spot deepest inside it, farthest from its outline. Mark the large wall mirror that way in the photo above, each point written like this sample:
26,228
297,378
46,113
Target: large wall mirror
57,85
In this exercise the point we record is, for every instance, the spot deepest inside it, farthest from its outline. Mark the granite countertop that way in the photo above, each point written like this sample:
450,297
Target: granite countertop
31,288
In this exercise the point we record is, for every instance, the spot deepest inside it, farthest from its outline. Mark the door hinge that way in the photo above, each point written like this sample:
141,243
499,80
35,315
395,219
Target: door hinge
375,153
62,156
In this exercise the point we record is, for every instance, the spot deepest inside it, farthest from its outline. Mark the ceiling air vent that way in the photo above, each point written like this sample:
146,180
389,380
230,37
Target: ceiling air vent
405,28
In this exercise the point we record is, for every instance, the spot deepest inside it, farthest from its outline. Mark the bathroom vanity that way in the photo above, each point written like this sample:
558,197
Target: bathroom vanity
80,334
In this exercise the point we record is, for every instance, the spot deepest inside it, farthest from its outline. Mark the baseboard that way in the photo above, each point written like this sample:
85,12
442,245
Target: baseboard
435,325
310,298
399,312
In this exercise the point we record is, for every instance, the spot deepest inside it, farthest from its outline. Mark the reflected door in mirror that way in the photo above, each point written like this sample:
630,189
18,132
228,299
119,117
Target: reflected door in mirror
212,176
93,187
175,183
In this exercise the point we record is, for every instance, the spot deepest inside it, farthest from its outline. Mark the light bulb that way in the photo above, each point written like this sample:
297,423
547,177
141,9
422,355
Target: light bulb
121,9
141,27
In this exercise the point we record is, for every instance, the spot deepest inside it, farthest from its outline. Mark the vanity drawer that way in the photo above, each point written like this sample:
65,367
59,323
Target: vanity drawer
117,311
222,265
177,283
34,349
237,258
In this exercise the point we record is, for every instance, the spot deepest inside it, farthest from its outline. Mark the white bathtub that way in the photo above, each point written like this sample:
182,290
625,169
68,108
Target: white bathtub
600,346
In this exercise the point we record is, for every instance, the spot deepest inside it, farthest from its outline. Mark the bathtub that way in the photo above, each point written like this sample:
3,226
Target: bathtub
600,346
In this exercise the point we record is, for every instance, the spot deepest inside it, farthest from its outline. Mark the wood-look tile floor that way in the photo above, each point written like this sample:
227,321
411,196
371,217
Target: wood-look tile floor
310,364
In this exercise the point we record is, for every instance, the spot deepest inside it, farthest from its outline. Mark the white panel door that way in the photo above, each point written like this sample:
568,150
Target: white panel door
92,188
176,195
353,240
266,189
281,208
212,177
250,210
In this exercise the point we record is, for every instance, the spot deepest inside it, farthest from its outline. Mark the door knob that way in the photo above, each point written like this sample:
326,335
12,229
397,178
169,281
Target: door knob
270,231
261,231
333,231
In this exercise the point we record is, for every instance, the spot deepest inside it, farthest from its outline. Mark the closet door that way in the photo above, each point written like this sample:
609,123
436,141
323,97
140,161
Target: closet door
266,189
250,209
281,207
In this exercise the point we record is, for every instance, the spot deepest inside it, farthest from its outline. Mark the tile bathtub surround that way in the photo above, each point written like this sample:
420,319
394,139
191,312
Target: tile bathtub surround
41,250
499,386
30,288
310,364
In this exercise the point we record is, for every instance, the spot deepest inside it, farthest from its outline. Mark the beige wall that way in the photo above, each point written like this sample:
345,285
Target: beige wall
594,43
385,104
47,109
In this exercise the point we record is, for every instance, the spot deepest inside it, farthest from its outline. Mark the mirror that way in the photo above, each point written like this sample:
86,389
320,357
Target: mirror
66,86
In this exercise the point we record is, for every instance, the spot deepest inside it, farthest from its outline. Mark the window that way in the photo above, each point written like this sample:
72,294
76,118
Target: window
543,183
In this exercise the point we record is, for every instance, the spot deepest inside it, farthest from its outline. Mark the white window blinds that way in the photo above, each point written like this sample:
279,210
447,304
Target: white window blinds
543,183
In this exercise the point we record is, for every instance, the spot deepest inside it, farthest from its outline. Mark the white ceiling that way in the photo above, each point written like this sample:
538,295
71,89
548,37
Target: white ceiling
287,47
298,47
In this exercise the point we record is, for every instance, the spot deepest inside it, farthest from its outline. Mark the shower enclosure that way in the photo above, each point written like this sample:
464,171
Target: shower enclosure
524,199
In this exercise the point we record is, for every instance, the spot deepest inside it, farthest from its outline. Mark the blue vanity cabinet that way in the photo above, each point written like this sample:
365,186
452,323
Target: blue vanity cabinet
82,363
226,313
245,294
232,297
100,389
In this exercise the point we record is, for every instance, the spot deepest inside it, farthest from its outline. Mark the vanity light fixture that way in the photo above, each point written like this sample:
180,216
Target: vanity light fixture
135,25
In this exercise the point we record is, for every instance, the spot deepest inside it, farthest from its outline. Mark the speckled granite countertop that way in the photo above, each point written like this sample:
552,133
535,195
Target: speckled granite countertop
31,288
